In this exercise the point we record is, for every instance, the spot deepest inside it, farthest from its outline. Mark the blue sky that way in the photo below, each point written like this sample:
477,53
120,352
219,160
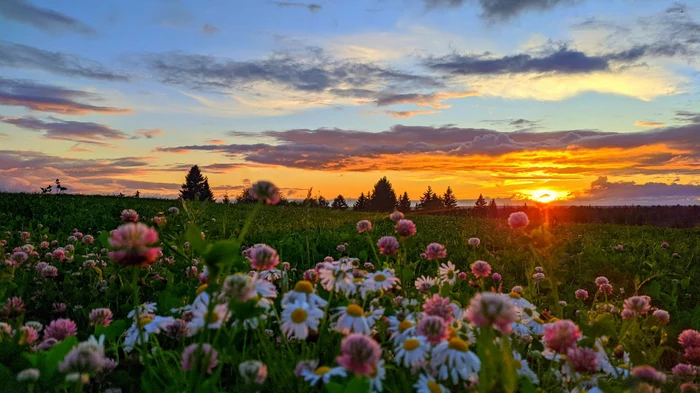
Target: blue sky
512,99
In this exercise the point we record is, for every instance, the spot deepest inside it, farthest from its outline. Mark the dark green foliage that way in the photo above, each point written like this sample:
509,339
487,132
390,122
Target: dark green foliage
383,197
404,203
196,186
339,203
448,199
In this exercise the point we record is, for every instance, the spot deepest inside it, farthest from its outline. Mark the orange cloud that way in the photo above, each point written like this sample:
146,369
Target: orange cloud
148,134
212,141
62,106
408,114
644,123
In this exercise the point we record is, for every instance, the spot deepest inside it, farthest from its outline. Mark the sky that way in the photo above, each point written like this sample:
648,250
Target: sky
568,101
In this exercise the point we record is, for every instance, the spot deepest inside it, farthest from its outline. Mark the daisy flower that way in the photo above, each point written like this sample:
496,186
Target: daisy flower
523,369
401,329
427,384
263,287
322,373
352,320
337,277
448,273
303,291
373,315
298,318
382,280
376,377
454,360
413,351
200,310
423,283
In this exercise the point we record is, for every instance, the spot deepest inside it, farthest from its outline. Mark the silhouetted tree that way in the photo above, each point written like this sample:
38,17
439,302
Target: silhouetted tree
245,197
196,185
226,200
137,194
339,203
360,203
448,199
404,203
481,202
322,202
429,201
383,197
493,209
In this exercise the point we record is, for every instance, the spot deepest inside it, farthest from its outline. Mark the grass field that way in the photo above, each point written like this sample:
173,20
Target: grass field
571,256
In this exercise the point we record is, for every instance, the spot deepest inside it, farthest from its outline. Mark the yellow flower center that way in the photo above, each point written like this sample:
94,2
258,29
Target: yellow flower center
379,278
458,344
304,286
514,295
211,317
322,370
201,288
452,331
145,320
373,374
299,315
433,387
354,310
411,344
450,274
623,366
358,280
518,364
404,325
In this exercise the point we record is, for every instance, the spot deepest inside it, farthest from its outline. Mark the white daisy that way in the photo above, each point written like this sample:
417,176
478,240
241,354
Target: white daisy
448,273
252,323
376,378
401,329
382,280
264,288
298,318
523,369
303,291
337,277
271,275
352,320
427,384
453,359
413,351
146,308
535,325
202,317
373,315
322,373
150,323
423,283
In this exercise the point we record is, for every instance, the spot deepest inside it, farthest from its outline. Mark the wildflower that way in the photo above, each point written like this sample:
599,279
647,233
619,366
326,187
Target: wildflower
462,276
665,245
337,277
662,316
692,355
538,276
561,335
496,277
423,255
405,228
453,359
581,294
518,220
619,247
323,373
583,360
359,354
423,284
648,373
539,269
100,317
88,357
177,329
364,225
638,305
601,281
377,376
382,280
439,306
491,309
28,375
60,328
563,303
481,269
675,255
413,351
433,328
310,275
130,243
239,287
474,241
129,215
44,245
194,353
684,372
689,387
28,335
388,245
396,216
689,338
352,320
300,317
266,191
13,307
19,257
25,235
435,251
448,272
523,369
203,318
263,257
427,384
58,308
59,254
606,288
173,210
517,289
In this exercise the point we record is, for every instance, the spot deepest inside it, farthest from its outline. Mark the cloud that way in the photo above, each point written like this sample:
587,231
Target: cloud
521,124
27,57
149,134
42,18
84,132
688,117
310,6
47,98
432,100
644,123
80,149
4,136
209,29
622,192
213,141
407,114
500,10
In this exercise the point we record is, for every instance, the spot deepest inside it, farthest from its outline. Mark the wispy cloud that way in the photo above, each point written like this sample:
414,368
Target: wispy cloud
645,123
209,29
42,18
149,134
83,132
309,6
432,100
408,114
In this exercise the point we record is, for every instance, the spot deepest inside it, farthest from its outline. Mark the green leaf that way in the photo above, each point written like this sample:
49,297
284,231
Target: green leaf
104,239
685,283
654,290
358,385
407,274
603,325
334,387
194,236
49,363
445,290
222,253
363,255
526,385
114,330
168,299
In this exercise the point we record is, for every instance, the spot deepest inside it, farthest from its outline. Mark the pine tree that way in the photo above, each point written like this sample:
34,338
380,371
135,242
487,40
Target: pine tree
226,200
245,197
448,199
360,203
339,203
481,202
493,209
137,194
405,203
429,201
195,186
383,197
322,202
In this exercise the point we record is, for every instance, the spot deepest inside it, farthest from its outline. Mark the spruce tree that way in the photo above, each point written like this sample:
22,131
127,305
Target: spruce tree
480,203
429,201
383,197
405,203
196,185
493,209
448,199
226,200
322,202
245,197
339,203
360,203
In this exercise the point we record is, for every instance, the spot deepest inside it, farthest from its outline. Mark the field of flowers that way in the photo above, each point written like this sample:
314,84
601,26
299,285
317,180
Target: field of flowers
106,294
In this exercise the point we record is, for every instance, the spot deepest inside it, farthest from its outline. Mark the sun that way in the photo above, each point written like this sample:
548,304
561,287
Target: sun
545,196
